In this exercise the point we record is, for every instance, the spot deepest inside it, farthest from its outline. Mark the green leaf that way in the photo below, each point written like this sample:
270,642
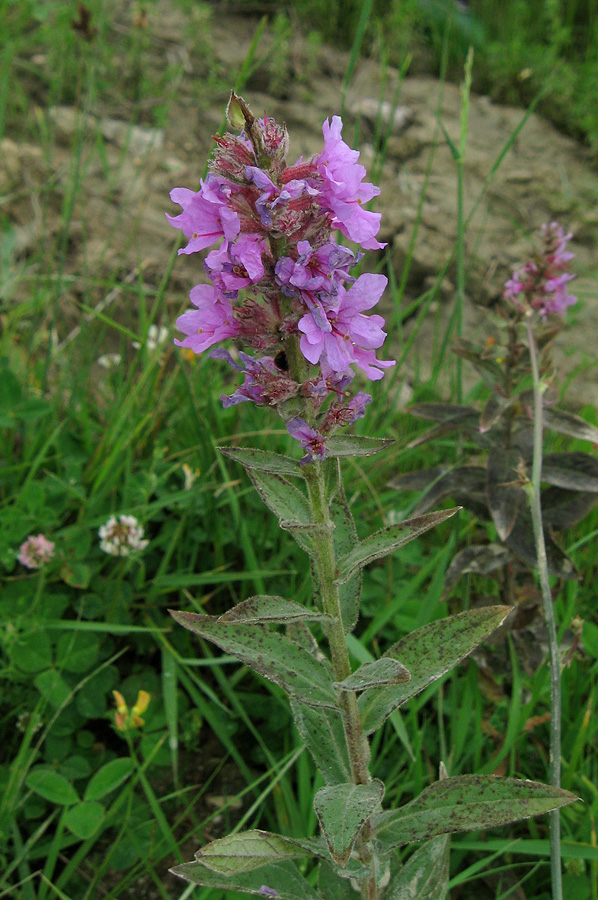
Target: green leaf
425,875
288,503
53,687
85,818
428,654
264,608
382,671
342,445
76,574
384,542
332,886
51,786
344,538
466,803
342,811
263,461
322,732
32,652
248,850
77,652
109,777
271,654
283,878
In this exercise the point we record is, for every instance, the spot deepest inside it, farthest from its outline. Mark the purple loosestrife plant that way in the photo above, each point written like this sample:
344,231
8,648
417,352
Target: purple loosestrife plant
282,288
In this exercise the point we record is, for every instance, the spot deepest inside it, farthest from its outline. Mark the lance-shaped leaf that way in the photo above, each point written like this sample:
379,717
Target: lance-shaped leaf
572,471
288,503
425,876
521,542
344,538
270,654
263,461
381,671
481,559
279,880
428,654
249,850
443,412
462,484
563,509
321,730
505,495
418,480
384,542
493,410
264,608
466,803
342,811
570,424
343,445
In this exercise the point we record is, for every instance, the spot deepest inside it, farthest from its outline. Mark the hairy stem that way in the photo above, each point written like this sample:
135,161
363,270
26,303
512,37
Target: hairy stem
547,603
325,566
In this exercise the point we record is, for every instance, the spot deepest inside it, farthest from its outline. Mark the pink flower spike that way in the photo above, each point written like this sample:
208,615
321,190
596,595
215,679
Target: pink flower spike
35,551
206,215
213,321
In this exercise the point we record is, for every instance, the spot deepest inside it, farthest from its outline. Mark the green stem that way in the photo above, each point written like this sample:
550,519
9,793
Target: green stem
547,603
325,566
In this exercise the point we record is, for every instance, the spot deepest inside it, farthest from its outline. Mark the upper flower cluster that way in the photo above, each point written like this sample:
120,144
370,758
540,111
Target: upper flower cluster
277,272
542,282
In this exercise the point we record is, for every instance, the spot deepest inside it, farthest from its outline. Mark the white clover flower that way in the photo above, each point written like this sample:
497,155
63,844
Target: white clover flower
109,360
121,536
156,335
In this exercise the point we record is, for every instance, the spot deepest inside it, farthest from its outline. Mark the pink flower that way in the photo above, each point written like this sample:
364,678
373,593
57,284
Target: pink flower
310,439
35,551
206,214
342,191
237,265
350,336
213,321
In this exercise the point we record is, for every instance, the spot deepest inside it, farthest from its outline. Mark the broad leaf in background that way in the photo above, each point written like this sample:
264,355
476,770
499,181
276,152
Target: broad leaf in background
381,543
569,424
271,654
573,471
343,810
503,486
321,730
249,850
263,461
466,803
429,653
521,542
281,880
425,876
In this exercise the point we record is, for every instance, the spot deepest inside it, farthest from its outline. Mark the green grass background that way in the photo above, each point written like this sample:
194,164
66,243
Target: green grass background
218,750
